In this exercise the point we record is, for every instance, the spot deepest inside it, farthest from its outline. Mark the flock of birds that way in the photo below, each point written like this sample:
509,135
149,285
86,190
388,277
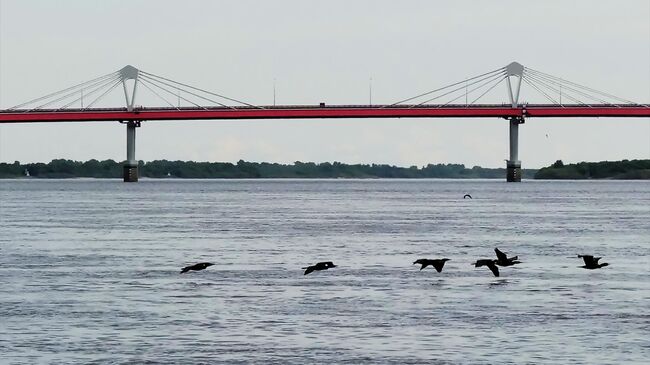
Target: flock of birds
502,260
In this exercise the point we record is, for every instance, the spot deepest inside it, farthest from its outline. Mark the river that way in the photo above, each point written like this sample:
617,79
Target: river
89,272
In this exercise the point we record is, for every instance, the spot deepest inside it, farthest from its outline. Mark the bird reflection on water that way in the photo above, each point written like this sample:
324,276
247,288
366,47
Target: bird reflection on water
499,282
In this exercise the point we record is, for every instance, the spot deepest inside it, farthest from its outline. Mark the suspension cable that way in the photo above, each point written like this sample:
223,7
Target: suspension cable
74,92
499,77
447,86
459,88
104,94
109,82
544,78
188,92
549,87
488,90
144,83
62,91
155,83
541,92
583,87
201,90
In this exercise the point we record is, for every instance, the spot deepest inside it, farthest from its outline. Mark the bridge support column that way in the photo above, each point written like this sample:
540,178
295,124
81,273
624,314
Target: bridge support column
513,165
131,165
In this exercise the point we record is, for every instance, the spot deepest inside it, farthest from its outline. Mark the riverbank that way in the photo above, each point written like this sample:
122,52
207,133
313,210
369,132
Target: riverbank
621,170
61,168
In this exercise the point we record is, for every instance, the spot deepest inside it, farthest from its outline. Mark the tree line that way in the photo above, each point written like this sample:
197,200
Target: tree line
61,168
625,169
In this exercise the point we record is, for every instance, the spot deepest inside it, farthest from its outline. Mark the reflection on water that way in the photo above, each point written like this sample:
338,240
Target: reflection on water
500,282
90,272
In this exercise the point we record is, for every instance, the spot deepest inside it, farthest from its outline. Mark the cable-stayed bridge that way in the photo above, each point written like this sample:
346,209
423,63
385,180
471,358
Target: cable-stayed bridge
461,99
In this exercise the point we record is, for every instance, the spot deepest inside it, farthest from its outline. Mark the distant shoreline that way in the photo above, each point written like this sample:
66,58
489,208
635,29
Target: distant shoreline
603,170
163,169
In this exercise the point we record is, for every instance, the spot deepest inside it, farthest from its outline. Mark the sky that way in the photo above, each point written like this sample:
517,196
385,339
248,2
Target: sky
333,52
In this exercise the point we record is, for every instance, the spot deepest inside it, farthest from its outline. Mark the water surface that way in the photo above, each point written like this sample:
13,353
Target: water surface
89,272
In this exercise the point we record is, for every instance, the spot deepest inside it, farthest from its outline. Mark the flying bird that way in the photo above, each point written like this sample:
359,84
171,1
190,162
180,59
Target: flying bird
591,262
319,266
504,260
436,263
491,264
196,267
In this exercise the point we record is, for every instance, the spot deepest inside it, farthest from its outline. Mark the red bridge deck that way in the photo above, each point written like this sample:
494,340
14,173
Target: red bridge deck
324,112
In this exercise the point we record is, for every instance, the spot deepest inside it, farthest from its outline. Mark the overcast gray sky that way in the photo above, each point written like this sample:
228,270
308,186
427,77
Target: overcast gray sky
327,51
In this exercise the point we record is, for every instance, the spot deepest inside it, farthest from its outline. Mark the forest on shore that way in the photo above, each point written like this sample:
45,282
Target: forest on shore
623,170
62,168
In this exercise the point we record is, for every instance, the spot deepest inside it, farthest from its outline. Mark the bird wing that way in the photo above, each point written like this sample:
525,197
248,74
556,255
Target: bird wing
494,269
500,255
483,262
588,259
438,265
309,269
185,269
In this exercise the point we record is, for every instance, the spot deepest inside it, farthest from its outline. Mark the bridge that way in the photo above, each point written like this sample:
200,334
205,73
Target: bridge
193,103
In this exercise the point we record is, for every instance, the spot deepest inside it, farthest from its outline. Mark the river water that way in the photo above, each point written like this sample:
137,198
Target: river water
89,272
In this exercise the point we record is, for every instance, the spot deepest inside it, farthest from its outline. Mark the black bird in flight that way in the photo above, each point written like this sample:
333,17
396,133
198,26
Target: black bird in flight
467,196
196,267
591,262
504,260
319,266
491,264
436,263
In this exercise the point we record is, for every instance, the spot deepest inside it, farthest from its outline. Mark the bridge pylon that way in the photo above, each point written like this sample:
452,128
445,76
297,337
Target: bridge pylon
130,169
513,164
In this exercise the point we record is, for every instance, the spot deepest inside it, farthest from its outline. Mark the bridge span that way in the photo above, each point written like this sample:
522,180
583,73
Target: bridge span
583,102
325,112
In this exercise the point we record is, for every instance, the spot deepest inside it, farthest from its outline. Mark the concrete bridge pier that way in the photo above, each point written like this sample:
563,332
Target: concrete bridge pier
513,165
130,172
